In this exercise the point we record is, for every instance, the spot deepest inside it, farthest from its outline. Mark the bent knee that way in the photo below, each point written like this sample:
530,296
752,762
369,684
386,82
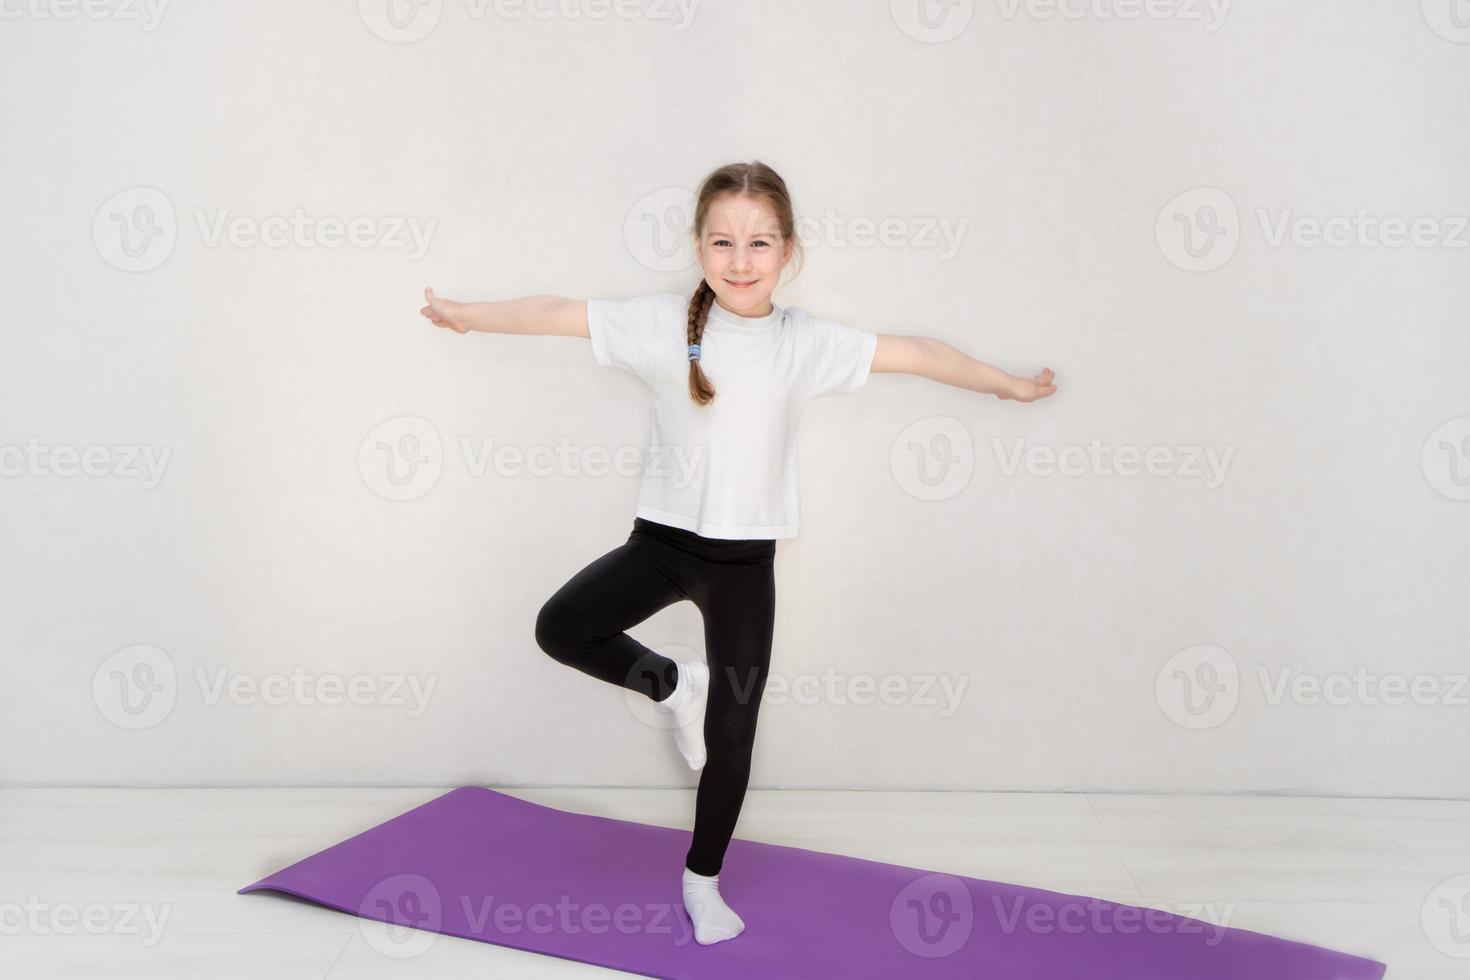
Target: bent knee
556,631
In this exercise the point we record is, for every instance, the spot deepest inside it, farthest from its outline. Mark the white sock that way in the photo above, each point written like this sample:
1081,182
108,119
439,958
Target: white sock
714,921
687,704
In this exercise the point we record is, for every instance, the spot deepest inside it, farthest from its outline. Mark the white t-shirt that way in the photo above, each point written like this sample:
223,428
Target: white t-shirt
727,469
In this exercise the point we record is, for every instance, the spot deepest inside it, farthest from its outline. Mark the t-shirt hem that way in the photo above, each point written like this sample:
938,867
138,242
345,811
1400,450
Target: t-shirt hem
870,346
724,531
595,331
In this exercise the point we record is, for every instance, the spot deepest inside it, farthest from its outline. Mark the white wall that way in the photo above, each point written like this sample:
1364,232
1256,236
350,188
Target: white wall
539,154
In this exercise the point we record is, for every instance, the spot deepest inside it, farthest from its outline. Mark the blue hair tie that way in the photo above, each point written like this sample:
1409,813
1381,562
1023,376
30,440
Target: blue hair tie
694,352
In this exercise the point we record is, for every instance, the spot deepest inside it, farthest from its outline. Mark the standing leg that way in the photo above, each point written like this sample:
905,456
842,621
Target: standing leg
582,625
739,617
739,607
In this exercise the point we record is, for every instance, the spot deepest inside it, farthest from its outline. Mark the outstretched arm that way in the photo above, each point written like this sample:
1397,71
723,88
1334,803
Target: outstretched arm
529,314
938,361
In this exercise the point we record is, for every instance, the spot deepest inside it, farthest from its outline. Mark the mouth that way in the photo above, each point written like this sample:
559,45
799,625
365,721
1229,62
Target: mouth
740,285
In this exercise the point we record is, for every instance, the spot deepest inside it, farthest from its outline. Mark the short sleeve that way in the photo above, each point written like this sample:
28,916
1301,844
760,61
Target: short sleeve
840,356
624,332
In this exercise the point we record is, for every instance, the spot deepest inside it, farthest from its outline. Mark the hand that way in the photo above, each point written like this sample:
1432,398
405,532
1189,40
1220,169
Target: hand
444,312
1029,389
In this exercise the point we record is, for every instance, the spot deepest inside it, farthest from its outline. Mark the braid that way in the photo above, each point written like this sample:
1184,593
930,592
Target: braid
700,388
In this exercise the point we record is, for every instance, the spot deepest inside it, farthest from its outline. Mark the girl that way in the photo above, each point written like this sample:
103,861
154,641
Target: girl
707,520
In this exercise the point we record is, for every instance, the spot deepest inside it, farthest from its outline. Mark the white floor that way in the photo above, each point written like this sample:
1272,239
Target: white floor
1354,875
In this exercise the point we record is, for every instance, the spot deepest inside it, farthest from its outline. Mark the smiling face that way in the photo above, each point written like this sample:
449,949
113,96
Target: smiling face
742,253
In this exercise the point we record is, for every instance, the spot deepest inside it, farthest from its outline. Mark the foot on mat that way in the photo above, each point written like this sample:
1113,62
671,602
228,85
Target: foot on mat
714,921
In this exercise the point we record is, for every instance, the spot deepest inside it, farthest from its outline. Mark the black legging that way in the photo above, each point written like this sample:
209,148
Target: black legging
733,584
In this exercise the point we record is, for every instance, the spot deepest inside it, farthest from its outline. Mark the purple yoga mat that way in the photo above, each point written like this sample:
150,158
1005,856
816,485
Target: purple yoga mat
482,865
